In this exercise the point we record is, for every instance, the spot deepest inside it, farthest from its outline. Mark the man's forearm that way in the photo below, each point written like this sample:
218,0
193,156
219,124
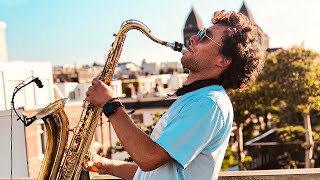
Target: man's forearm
145,152
121,169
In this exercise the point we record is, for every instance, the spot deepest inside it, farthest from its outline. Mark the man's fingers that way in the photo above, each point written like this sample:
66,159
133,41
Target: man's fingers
85,165
90,163
88,166
95,81
87,93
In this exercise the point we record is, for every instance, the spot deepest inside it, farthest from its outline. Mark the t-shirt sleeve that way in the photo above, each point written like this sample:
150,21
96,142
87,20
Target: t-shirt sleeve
188,132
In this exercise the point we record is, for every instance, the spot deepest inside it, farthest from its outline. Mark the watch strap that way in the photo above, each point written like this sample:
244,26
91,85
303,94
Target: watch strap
111,107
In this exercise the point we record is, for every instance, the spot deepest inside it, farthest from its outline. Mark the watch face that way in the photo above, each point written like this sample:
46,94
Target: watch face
109,108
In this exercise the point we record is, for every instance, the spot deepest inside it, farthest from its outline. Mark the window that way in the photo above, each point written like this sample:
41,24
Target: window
42,139
72,95
138,118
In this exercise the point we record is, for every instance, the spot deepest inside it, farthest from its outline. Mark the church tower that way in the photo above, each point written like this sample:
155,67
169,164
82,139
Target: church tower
264,39
192,26
245,11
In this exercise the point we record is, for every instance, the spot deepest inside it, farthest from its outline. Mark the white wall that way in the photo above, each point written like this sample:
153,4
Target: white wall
3,43
66,88
30,97
152,68
80,89
19,154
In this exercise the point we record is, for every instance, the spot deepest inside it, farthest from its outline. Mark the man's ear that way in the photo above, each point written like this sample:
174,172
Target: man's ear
224,62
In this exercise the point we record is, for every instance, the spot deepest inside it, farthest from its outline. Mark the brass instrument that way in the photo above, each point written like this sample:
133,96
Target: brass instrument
56,121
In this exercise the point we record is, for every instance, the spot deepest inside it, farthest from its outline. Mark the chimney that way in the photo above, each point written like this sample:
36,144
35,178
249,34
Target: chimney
3,43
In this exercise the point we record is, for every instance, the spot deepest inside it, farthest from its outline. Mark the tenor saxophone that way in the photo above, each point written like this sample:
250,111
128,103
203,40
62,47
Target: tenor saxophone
63,164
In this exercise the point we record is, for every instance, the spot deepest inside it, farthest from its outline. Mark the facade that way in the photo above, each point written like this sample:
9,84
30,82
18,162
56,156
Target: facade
150,68
3,43
18,151
77,91
30,97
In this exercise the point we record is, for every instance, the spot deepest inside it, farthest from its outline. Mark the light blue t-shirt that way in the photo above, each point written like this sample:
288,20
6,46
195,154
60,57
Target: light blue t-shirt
195,132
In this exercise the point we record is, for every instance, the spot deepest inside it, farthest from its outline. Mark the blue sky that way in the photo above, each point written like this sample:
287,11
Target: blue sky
81,32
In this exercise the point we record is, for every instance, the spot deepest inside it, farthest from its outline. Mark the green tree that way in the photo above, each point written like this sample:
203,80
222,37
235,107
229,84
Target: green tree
294,76
284,93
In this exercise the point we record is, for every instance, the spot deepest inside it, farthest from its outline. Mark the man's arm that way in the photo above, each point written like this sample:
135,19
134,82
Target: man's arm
144,151
101,165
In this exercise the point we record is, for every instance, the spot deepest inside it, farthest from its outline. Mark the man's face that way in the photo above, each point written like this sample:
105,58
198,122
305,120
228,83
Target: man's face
203,55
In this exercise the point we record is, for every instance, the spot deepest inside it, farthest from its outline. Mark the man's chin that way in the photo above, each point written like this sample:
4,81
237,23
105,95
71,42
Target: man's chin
183,59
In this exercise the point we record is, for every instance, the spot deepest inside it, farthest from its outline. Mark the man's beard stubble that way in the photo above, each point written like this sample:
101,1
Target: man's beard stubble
190,64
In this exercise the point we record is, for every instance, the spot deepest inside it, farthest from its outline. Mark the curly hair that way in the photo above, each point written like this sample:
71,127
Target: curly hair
241,45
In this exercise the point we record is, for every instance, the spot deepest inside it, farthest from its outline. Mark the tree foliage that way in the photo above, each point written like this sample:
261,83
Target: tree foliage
294,75
288,86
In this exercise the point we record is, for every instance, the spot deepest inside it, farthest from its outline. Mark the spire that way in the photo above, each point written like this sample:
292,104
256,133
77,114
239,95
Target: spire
245,11
192,26
193,21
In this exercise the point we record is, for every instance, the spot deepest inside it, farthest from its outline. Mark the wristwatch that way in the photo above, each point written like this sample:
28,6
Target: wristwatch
111,107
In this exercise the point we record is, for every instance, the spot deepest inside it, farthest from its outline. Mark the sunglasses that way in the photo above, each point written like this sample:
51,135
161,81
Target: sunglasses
203,33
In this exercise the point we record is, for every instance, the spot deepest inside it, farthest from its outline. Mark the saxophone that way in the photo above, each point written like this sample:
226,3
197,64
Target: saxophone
56,121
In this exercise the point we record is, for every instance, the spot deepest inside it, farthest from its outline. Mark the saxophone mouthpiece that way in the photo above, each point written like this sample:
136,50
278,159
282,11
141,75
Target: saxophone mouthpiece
176,46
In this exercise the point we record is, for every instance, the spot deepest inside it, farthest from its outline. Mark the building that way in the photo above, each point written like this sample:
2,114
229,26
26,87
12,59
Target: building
10,126
77,91
31,97
192,26
3,43
264,39
27,100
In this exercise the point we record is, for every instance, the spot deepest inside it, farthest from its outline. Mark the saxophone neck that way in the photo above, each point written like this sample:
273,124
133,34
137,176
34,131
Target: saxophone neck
135,24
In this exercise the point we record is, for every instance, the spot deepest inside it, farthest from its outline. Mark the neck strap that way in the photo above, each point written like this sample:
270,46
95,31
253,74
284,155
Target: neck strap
196,85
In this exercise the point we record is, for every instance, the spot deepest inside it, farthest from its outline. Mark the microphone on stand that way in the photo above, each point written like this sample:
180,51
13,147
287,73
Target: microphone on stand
38,82
26,120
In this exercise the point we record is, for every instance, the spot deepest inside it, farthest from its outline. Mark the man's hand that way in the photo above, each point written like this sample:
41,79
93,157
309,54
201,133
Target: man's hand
101,165
99,93
95,164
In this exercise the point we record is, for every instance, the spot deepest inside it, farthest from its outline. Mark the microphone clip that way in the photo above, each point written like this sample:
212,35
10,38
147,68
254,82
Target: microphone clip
26,120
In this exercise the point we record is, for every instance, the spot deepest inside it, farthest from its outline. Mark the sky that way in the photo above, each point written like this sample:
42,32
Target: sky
79,32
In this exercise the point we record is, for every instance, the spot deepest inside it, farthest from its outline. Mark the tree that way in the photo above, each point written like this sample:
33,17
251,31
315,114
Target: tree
288,88
294,75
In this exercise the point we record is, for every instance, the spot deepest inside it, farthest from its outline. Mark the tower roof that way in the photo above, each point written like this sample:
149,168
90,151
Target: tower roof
193,20
245,11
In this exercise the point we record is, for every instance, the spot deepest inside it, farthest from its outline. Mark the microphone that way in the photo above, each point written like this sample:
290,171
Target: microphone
38,82
26,120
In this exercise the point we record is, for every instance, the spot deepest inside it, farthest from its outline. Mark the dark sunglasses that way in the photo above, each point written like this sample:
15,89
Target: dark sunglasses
203,33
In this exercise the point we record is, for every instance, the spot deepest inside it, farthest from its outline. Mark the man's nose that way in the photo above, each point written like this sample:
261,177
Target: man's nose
194,39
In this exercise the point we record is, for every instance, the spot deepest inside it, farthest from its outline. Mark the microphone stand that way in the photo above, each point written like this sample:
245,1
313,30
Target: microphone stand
26,121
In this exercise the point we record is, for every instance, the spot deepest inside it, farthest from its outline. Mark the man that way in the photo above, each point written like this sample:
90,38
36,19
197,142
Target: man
190,140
